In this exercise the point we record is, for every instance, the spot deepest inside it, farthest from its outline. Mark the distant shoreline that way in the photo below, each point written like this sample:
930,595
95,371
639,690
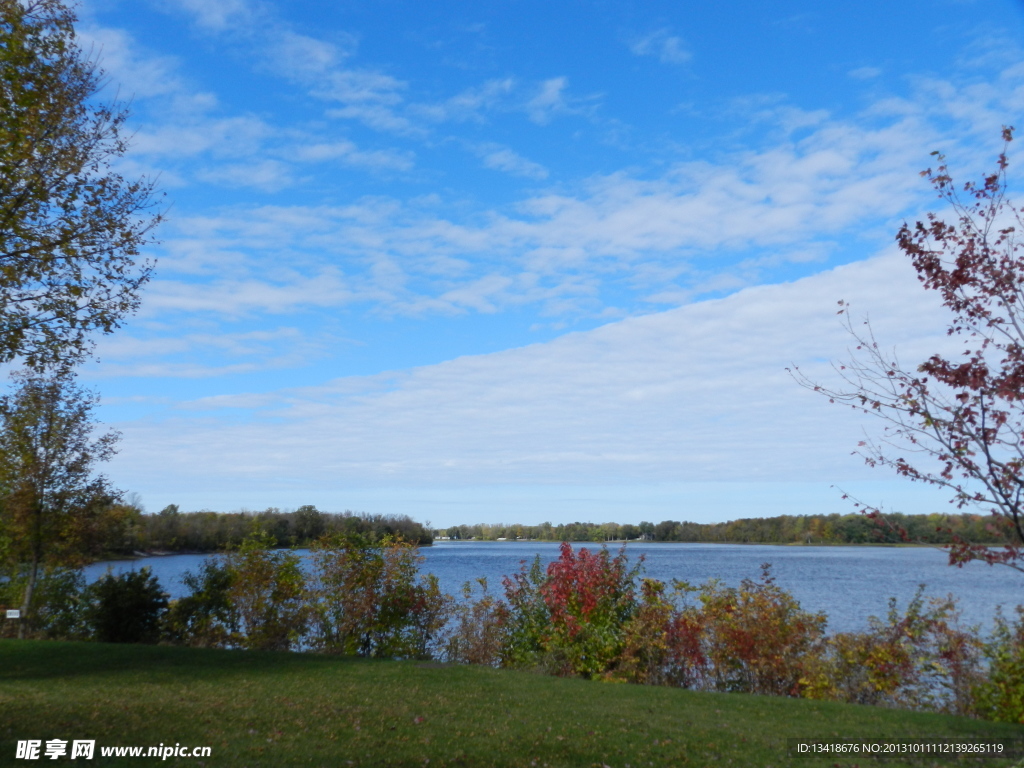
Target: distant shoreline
733,543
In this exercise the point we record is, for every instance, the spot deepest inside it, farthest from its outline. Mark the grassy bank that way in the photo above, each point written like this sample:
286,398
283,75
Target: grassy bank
270,709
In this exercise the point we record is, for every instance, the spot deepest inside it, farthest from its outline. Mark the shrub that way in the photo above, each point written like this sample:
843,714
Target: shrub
915,659
478,628
205,617
527,617
572,619
126,609
268,596
647,650
368,599
59,610
1000,696
686,661
582,617
62,604
431,611
755,639
590,597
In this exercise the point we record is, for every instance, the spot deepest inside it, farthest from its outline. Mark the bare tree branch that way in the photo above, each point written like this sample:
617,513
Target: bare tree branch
955,424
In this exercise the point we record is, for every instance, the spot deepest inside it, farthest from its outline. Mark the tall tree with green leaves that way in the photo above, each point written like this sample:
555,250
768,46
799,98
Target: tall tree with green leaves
71,228
50,499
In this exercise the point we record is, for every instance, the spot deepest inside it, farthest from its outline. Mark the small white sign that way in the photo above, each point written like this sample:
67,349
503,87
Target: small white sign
13,613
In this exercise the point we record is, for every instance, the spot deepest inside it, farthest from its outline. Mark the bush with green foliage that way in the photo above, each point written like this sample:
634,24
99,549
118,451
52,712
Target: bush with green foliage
268,595
916,659
1000,695
204,618
60,610
353,596
477,628
525,617
367,599
128,608
570,619
655,649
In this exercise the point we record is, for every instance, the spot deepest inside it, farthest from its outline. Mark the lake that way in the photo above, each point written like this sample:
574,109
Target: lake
848,583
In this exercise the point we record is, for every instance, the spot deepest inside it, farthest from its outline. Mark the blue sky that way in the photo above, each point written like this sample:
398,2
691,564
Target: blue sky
528,261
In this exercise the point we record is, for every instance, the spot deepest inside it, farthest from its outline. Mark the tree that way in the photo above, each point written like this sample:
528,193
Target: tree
70,227
49,497
126,609
369,600
268,594
308,523
956,423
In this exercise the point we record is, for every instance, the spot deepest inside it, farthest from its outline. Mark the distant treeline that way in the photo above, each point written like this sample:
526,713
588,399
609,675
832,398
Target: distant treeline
785,529
174,531
126,530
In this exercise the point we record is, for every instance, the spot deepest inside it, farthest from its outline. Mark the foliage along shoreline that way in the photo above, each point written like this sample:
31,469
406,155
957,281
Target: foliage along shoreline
125,532
130,533
588,614
833,529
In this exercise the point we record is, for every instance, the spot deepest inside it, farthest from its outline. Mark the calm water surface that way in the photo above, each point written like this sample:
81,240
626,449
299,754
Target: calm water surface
848,583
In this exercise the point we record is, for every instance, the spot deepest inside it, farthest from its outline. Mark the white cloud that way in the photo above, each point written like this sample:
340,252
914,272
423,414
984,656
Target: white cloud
667,48
180,137
219,15
360,87
470,104
865,73
378,116
349,154
697,221
697,393
542,102
302,55
478,295
786,193
200,134
504,159
548,101
135,73
187,370
321,67
266,175
367,95
240,298
249,343
218,402
199,355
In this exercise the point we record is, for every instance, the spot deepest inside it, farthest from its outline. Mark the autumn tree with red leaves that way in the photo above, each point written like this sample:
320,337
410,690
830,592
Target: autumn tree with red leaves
956,422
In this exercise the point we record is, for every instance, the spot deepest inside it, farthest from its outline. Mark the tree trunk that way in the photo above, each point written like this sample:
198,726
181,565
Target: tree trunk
30,588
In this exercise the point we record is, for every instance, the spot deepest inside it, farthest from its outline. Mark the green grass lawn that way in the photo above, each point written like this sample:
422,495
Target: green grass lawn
285,709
